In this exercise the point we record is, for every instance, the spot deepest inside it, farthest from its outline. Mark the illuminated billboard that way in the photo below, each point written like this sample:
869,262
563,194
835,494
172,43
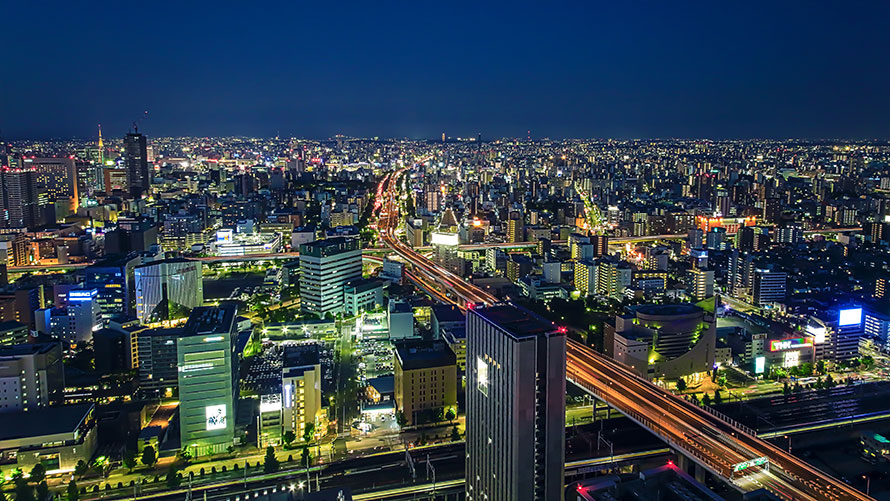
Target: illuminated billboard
818,332
850,316
215,417
444,238
790,344
224,236
759,365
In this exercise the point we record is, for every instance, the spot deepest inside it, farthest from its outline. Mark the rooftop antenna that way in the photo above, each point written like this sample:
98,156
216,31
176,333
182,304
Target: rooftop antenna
136,122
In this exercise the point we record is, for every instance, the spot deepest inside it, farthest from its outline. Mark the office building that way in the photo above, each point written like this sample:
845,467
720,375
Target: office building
168,289
136,162
515,443
21,205
114,352
113,279
877,327
207,364
325,267
769,287
31,377
85,314
156,357
13,332
400,320
425,375
56,178
301,379
363,294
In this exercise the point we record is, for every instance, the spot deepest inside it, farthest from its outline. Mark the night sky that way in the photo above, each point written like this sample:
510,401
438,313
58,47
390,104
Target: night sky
416,69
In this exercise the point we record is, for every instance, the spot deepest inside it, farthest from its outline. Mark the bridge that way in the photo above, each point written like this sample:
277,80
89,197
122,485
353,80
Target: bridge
710,440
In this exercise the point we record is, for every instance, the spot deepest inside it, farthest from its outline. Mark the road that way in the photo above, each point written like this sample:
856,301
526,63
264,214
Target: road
711,440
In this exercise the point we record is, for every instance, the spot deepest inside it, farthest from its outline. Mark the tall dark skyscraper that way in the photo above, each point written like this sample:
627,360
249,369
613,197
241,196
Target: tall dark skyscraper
516,369
137,163
21,208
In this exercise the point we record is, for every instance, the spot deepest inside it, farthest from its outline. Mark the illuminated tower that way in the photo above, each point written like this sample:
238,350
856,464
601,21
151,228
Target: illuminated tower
101,147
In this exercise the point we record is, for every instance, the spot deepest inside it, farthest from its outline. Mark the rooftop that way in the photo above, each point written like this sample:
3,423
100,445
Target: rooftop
18,350
44,421
424,354
448,313
518,321
210,320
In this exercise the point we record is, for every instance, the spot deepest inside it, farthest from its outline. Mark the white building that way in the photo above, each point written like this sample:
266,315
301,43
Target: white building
325,267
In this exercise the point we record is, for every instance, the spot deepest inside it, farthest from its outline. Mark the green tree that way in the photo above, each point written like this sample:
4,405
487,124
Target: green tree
718,398
439,415
73,494
173,479
681,385
185,454
829,381
270,462
820,366
786,389
706,400
308,431
455,434
721,380
38,473
23,491
450,415
149,457
129,459
400,419
289,437
42,491
305,457
819,384
81,468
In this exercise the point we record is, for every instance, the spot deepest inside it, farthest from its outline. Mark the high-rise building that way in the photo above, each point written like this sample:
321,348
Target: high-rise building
57,179
31,376
84,314
21,205
515,397
208,380
769,286
325,267
136,161
113,278
168,289
700,283
301,389
156,359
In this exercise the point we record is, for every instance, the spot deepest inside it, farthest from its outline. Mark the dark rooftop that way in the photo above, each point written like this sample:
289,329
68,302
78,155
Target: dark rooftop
448,313
18,350
45,421
211,320
516,320
424,354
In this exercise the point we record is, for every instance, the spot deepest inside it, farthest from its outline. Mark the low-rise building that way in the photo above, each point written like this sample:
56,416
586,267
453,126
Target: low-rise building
425,380
57,437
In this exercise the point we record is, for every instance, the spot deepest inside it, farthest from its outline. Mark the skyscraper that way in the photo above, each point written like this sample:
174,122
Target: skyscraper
325,267
136,158
515,406
21,208
208,380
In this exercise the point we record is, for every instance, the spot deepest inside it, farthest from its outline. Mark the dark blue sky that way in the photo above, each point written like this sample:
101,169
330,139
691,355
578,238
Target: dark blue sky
561,69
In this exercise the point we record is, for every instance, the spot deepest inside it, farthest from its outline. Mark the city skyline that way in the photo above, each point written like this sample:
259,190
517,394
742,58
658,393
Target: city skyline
584,71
